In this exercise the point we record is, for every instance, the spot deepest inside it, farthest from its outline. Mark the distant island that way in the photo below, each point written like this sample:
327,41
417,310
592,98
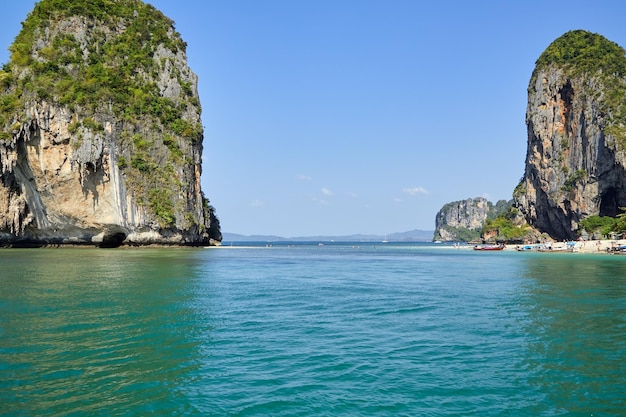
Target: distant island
410,236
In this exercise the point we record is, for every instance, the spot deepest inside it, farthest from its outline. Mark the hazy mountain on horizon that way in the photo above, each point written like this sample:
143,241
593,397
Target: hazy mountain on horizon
410,236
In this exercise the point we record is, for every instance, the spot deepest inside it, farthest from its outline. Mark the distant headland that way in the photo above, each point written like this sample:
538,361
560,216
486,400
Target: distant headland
410,236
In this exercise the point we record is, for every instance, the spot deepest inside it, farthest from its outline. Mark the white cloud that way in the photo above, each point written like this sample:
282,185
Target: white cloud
304,177
397,200
327,192
257,203
415,190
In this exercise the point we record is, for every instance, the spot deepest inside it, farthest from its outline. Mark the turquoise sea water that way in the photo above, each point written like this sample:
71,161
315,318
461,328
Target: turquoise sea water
307,330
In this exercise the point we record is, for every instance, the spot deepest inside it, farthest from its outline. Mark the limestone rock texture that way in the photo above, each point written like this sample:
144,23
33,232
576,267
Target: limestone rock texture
576,123
457,216
100,133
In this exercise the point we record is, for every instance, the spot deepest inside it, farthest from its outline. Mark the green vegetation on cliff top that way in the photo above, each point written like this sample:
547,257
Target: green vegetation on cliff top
97,58
99,67
584,54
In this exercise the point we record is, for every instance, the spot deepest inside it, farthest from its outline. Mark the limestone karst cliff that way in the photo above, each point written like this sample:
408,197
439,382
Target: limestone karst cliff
464,220
100,133
576,120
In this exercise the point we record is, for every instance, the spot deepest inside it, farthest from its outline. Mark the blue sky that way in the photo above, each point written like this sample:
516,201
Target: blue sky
342,116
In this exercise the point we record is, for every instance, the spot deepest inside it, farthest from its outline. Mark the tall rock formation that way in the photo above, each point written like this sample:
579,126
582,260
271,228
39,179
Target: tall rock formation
576,119
100,131
462,220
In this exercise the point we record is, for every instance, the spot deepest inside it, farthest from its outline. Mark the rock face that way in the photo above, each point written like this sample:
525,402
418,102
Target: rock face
461,219
576,119
101,138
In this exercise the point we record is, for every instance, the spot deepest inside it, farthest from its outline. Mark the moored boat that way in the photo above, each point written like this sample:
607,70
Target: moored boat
489,247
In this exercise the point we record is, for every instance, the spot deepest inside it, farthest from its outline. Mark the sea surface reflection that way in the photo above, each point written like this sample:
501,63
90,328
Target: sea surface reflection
299,330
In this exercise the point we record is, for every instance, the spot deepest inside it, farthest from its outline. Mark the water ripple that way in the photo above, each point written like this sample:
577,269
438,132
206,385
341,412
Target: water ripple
310,331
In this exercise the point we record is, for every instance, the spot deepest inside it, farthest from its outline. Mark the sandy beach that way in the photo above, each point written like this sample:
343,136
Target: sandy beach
581,246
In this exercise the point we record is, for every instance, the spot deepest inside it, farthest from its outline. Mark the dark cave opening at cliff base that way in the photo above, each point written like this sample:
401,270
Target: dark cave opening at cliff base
608,203
114,240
